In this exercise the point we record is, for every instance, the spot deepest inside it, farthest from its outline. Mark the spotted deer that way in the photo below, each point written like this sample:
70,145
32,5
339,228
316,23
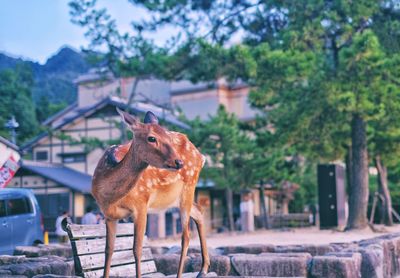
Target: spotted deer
158,169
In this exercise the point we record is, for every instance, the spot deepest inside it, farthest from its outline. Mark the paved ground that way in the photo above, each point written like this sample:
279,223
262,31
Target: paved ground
280,237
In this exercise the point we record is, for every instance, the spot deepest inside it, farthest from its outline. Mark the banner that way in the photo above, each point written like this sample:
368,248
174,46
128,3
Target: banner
7,171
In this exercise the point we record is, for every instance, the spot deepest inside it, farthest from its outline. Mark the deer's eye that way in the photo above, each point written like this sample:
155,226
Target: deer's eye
151,139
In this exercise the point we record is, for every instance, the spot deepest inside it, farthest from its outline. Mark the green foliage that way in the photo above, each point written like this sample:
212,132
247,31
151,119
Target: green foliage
54,79
230,149
16,100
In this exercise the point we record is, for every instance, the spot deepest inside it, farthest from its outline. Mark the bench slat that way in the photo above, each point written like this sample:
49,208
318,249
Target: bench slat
89,262
99,230
98,245
124,270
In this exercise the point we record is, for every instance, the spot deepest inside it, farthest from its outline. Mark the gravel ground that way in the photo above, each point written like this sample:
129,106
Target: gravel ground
281,237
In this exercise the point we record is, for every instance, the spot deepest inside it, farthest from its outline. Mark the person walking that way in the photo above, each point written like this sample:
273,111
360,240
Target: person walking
90,217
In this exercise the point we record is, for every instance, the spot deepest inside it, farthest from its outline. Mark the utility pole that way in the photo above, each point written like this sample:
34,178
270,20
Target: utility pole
12,125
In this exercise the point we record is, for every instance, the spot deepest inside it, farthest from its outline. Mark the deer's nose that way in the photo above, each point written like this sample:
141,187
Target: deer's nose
178,163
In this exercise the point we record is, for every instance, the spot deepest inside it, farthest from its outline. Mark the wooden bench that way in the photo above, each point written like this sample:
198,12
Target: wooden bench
88,246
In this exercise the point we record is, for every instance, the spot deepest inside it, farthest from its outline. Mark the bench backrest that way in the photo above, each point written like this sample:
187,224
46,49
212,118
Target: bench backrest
88,246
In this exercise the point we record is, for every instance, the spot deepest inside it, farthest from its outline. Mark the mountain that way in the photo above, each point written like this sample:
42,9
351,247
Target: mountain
54,79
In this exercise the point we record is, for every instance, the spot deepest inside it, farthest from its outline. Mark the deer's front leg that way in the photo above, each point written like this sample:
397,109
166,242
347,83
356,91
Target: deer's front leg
111,229
197,214
185,217
140,217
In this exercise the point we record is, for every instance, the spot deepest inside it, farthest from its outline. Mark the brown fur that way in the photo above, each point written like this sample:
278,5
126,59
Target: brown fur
139,182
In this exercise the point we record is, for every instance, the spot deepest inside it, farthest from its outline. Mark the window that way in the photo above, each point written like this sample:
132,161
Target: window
73,157
19,206
42,155
2,208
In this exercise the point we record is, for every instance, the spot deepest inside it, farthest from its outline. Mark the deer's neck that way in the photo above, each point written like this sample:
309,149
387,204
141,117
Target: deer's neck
123,177
132,163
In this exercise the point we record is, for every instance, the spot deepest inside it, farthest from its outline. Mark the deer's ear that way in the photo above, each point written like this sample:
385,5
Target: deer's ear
150,118
128,118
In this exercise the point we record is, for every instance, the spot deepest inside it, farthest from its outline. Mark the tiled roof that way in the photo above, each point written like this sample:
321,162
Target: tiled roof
58,173
8,144
77,112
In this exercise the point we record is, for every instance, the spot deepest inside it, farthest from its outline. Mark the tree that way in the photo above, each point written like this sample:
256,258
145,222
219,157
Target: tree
384,136
231,152
16,100
316,67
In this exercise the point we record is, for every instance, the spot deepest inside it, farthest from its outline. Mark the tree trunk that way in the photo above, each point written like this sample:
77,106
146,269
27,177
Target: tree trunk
263,205
384,192
348,169
358,199
229,208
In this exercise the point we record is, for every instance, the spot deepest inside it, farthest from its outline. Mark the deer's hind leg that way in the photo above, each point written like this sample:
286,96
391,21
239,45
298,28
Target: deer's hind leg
196,213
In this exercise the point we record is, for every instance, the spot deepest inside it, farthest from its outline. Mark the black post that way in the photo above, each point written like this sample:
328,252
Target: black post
263,205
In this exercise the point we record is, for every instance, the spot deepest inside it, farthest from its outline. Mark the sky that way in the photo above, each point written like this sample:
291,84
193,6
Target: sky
37,29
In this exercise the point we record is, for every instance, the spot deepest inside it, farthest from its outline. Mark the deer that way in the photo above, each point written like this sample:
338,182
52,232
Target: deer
157,169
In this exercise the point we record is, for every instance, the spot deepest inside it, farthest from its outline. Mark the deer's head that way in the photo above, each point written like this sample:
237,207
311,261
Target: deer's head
152,143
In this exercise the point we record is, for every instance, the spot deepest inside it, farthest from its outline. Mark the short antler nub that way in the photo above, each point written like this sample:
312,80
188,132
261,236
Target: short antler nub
150,118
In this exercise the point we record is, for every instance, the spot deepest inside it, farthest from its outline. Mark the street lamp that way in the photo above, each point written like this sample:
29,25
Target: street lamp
12,125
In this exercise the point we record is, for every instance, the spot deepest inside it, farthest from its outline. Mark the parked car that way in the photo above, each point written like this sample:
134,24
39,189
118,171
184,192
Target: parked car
20,219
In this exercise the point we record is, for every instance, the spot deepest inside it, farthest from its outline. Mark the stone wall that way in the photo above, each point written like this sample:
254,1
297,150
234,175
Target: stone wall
23,267
373,258
378,257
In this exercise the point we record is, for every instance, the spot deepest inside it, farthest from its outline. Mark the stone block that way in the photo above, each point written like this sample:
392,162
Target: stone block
337,265
247,249
391,252
218,264
29,251
4,272
53,276
339,246
372,261
154,275
191,250
159,250
61,268
61,250
314,250
280,265
6,259
193,275
168,263
42,265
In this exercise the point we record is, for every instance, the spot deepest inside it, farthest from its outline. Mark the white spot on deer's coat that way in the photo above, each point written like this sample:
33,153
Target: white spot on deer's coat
149,183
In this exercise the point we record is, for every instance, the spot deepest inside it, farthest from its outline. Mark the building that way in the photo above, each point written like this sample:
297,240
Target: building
203,99
64,157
